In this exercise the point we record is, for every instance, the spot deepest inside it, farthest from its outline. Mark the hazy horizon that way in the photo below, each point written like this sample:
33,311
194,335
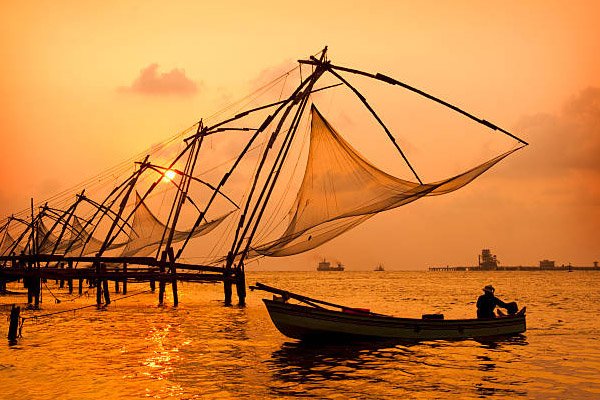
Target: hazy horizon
85,86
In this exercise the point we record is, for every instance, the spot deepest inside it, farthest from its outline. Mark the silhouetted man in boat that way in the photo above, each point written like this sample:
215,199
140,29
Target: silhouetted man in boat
487,302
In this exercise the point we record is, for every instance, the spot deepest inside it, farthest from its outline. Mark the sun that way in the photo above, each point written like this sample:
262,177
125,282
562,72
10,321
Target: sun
169,175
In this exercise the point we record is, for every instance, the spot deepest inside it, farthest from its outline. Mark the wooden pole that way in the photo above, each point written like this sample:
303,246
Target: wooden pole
62,281
98,285
240,285
13,328
106,292
173,270
161,284
263,126
125,278
385,128
227,279
105,286
80,288
117,290
70,281
37,288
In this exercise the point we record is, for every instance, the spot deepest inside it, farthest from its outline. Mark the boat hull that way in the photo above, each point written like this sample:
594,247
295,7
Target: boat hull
309,323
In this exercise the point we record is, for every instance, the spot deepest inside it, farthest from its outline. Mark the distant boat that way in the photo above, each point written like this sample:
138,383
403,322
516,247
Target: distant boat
379,268
326,266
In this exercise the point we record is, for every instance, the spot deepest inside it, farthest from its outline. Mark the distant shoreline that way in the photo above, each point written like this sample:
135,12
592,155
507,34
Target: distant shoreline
514,268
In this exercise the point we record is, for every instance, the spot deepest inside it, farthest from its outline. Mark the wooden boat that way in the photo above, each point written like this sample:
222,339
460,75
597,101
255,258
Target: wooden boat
313,321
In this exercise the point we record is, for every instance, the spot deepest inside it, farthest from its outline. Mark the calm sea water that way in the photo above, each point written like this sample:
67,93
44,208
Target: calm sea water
201,349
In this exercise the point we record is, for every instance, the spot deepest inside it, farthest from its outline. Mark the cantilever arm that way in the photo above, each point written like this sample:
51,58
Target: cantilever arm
385,128
384,78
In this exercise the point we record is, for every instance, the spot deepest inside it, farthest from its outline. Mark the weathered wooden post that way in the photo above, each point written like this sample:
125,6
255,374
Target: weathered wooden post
70,281
125,278
13,327
37,283
174,275
161,283
117,290
227,290
62,281
105,286
98,285
240,285
28,284
80,288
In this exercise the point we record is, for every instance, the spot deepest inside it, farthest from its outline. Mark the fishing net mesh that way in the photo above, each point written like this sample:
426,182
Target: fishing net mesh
147,231
341,189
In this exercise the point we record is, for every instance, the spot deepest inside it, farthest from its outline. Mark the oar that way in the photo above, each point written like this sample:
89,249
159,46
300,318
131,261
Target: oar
305,299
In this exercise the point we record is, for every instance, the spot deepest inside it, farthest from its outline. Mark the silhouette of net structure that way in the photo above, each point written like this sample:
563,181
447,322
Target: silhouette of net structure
147,231
341,189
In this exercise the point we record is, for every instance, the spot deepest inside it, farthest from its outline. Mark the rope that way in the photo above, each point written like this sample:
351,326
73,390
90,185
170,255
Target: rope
36,317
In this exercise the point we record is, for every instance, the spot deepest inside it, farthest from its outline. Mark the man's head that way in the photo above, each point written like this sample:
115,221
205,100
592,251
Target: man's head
489,289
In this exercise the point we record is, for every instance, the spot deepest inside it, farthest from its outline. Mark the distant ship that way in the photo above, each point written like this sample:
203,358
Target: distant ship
326,266
379,268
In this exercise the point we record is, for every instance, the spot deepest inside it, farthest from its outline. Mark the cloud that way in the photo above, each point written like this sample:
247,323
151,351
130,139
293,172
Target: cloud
151,82
269,74
566,142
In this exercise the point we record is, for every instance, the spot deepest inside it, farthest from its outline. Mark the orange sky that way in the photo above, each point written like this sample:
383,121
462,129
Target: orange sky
73,102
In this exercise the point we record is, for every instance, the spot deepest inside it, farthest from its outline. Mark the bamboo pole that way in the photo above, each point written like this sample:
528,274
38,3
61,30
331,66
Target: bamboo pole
263,126
385,128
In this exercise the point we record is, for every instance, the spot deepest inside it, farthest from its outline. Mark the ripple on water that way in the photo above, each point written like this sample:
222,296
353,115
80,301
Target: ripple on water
201,349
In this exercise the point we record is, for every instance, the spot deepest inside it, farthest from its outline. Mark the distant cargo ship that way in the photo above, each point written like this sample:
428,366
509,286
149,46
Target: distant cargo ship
326,266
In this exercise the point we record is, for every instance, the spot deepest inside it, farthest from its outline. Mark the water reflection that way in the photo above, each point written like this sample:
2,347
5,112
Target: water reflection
298,367
499,354
390,366
499,342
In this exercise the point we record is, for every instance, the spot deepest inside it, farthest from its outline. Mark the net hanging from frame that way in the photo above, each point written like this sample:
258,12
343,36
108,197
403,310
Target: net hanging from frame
341,189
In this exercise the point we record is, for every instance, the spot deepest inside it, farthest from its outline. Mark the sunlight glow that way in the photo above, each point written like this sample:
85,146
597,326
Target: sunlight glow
169,175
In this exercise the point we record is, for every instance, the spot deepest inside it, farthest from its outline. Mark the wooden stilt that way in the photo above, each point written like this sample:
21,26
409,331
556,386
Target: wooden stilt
36,294
70,281
117,290
152,285
28,284
98,285
174,275
240,285
105,289
161,284
80,288
175,294
13,327
106,292
62,281
125,279
227,289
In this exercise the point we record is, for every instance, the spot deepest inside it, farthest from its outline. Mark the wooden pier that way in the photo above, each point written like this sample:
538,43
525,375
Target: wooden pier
97,272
